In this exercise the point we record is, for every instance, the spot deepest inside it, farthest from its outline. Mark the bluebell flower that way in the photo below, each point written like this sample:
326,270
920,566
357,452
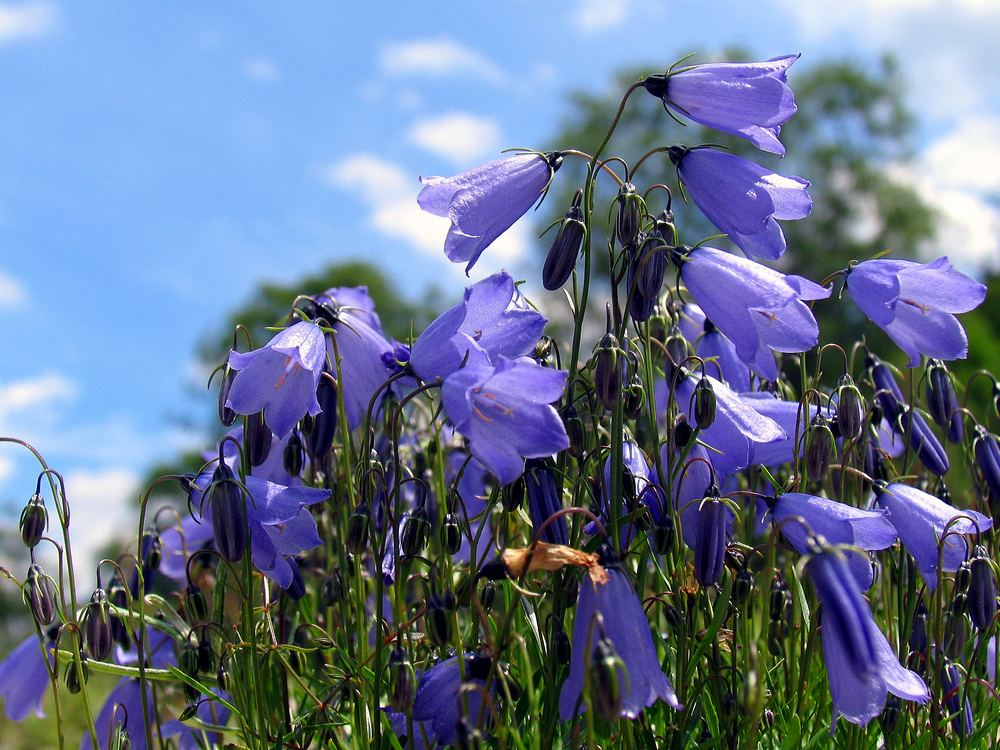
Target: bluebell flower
493,320
505,413
861,665
612,610
742,198
124,704
280,378
544,493
281,526
759,309
360,348
23,680
838,523
718,352
788,415
921,520
915,303
440,703
483,202
751,99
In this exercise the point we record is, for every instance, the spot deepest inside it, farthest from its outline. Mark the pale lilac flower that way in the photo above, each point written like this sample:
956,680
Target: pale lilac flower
915,304
483,202
23,680
751,100
742,198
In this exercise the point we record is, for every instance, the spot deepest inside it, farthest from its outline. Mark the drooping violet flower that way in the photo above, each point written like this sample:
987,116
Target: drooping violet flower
280,378
359,347
544,494
482,203
280,525
861,665
124,704
505,413
178,542
612,611
757,308
737,430
751,100
742,198
789,415
440,703
915,303
921,521
23,680
838,523
718,352
493,320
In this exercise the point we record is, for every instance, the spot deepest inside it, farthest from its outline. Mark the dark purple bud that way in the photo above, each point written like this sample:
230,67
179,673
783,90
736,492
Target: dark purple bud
606,690
512,495
924,442
358,529
942,402
544,493
72,675
297,588
319,440
951,686
189,711
982,590
332,590
34,521
488,595
294,456
704,404
963,577
437,620
957,627
889,717
683,432
780,598
39,594
819,446
710,552
628,218
560,261
257,439
635,396
986,448
226,415
608,371
223,677
195,605
187,660
97,626
918,630
775,638
742,587
890,398
118,597
451,534
206,654
413,536
677,349
661,535
850,409
673,616
150,552
561,643
647,267
229,513
575,431
401,680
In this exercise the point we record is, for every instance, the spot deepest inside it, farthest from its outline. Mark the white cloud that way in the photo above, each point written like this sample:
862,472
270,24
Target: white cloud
12,291
103,509
42,390
261,69
390,195
26,20
593,16
458,136
6,468
437,57
969,156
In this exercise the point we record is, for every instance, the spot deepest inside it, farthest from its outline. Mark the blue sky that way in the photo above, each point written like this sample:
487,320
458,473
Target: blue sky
157,161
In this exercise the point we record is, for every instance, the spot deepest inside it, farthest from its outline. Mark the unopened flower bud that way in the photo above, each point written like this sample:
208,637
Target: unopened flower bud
561,643
323,427
628,218
451,534
224,678
544,493
606,671
661,535
39,593
34,521
195,605
226,415
634,398
118,597
332,590
710,550
229,513
73,681
677,348
986,448
437,620
951,686
358,529
608,371
776,637
294,455
957,627
742,586
206,654
257,439
413,535
850,409
575,431
683,432
401,680
97,626
647,267
918,630
561,260
488,595
982,590
704,404
819,446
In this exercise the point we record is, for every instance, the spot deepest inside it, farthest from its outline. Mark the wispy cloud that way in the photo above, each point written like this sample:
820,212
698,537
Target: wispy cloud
26,20
458,136
593,16
261,69
12,291
437,57
42,390
103,506
390,196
